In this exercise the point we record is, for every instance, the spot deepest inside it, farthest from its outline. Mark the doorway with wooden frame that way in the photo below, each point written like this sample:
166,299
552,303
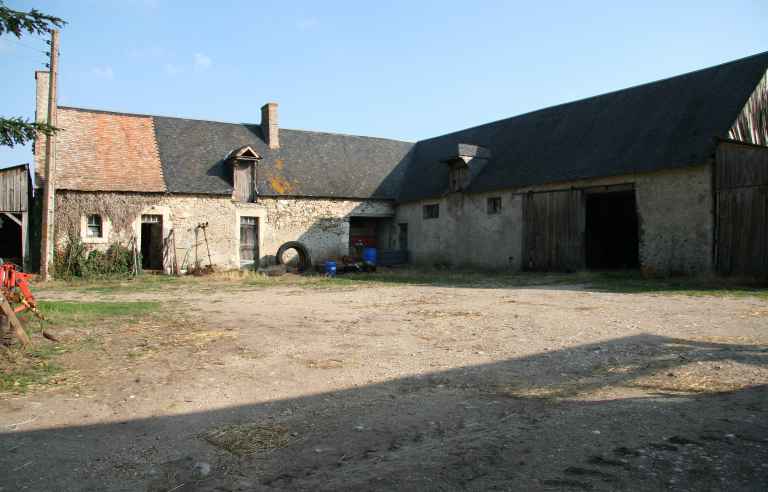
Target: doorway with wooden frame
152,242
249,241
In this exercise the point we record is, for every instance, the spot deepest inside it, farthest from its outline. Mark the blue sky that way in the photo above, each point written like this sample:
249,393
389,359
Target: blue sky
397,69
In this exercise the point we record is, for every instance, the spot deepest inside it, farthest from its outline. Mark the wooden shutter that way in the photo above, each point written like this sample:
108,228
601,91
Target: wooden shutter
244,181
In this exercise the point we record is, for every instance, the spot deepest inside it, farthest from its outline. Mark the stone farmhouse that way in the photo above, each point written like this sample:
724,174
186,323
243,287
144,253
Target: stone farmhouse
670,177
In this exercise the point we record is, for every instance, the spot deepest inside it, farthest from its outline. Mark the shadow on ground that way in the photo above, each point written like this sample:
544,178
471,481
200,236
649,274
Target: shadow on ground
607,416
598,281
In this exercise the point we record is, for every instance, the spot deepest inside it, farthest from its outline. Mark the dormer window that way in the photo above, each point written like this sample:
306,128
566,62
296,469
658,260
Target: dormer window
244,173
465,162
458,175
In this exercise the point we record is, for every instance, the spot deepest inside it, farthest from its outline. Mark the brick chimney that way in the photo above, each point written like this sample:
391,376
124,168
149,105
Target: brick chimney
269,126
42,78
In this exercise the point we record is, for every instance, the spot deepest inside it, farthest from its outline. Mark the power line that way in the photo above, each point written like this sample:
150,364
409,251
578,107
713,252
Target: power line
28,56
24,45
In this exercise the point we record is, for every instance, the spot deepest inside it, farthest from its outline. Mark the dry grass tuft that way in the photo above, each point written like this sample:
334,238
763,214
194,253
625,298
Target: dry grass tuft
247,439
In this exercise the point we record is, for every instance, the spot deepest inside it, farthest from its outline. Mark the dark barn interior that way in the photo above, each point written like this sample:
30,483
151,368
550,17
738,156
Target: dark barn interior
10,240
612,235
152,242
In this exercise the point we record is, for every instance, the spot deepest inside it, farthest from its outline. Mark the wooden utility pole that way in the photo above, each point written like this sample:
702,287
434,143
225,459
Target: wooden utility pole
49,190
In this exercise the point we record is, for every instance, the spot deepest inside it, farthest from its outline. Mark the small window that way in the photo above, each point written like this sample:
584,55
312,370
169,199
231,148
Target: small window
249,221
94,224
432,211
494,205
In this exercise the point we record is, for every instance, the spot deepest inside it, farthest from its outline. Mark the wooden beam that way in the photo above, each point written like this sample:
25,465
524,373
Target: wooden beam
18,330
13,218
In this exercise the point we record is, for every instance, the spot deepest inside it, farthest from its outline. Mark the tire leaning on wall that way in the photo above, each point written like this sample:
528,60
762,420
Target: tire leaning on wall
305,260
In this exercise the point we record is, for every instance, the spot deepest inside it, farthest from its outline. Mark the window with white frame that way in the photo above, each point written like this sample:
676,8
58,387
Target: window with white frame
94,226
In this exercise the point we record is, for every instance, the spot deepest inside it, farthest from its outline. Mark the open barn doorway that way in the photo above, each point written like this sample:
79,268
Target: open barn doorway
612,230
152,242
11,238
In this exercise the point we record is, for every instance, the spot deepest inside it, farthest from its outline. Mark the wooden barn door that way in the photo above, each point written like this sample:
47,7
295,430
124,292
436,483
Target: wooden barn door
249,240
553,231
741,183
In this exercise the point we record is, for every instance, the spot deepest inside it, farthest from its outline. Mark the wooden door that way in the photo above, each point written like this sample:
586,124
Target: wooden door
402,237
741,180
553,231
249,240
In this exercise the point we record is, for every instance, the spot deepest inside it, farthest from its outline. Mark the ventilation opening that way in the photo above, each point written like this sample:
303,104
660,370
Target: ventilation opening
612,231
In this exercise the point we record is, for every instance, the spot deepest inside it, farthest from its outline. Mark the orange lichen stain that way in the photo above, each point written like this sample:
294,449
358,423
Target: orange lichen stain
279,164
281,185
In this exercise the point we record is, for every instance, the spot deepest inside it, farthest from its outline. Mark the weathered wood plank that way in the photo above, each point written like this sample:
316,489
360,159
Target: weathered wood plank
741,165
741,181
13,189
554,230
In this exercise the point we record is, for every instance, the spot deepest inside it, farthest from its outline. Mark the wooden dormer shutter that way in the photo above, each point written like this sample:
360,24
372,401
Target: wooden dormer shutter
244,173
245,181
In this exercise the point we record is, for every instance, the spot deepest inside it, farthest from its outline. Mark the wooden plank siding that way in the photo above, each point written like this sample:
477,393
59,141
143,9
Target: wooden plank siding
554,224
741,182
244,181
14,189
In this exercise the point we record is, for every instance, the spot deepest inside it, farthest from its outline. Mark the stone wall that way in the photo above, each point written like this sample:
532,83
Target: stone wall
321,224
675,209
464,234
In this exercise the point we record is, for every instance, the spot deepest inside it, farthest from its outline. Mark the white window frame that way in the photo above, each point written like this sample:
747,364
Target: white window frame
106,230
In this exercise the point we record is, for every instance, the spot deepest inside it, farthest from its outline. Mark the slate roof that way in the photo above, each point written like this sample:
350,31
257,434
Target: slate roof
666,124
307,163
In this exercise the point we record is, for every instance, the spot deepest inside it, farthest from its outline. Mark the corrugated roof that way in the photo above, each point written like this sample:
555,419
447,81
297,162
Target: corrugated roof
306,164
666,124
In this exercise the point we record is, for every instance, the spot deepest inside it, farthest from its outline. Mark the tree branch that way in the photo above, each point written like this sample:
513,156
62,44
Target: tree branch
33,22
18,131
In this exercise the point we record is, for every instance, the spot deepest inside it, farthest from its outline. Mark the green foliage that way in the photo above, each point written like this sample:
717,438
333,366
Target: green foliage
18,131
66,313
76,260
33,22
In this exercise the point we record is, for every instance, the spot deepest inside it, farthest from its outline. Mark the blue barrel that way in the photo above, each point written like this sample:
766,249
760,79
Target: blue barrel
330,268
369,256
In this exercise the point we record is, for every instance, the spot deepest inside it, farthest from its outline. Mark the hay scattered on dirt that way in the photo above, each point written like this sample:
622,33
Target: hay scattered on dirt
247,439
704,377
324,364
435,313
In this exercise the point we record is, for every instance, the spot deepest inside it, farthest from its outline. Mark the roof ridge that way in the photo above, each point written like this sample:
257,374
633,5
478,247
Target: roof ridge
617,91
144,115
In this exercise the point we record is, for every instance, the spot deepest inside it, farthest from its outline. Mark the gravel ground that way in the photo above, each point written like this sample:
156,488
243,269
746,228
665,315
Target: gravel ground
408,388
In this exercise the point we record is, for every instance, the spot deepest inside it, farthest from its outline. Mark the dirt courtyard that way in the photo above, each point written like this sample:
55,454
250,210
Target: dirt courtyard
366,385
